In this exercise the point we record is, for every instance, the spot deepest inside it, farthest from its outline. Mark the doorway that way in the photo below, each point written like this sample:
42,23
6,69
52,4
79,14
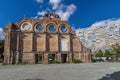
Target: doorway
14,58
38,58
64,58
51,58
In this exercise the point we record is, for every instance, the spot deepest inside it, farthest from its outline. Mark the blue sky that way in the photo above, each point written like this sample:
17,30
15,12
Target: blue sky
79,13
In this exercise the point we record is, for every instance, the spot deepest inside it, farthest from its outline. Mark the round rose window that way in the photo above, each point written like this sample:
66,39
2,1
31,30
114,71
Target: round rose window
39,27
26,26
63,28
51,28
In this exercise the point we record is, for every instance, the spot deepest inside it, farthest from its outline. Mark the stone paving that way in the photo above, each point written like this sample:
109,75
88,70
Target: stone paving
83,71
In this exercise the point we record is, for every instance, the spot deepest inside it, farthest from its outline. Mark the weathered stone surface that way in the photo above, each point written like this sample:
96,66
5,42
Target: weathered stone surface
28,38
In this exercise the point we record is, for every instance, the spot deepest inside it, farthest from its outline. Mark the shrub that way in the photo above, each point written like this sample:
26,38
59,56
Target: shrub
57,62
76,61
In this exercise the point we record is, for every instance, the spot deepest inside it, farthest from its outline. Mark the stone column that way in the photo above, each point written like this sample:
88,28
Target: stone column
32,58
21,36
59,43
17,58
70,57
47,42
71,42
6,54
17,49
58,57
45,59
34,42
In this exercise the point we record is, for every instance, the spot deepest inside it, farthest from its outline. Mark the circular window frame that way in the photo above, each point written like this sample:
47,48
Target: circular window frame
51,25
65,28
51,16
23,25
39,25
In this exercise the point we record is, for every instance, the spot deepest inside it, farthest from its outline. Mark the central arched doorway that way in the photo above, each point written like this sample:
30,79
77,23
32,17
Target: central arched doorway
38,58
64,58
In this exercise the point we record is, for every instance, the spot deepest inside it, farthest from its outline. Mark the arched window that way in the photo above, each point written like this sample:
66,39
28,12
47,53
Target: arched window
40,43
53,44
64,44
27,42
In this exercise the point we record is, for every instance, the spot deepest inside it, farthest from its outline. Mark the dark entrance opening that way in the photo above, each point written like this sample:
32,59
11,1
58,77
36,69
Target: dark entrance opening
64,58
51,58
14,57
38,58
20,57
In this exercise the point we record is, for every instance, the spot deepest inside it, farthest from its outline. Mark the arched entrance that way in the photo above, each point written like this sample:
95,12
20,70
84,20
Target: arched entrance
38,58
64,58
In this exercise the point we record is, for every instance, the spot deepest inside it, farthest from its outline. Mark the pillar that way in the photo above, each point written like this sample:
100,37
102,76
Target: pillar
70,57
58,57
45,59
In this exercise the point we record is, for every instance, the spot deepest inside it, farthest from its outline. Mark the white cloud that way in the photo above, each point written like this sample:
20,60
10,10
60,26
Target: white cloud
55,3
2,37
41,13
73,27
64,11
1,29
65,14
35,17
40,1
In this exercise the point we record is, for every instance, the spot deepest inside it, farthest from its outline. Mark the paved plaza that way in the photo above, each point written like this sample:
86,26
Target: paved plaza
83,71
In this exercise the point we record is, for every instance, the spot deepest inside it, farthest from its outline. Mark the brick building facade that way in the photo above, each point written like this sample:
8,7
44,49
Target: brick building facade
42,41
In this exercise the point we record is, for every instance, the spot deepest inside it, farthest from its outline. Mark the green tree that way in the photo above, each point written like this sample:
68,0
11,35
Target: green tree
99,53
107,53
116,50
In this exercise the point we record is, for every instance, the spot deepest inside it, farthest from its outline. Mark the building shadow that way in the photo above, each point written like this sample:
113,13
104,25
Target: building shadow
34,79
113,76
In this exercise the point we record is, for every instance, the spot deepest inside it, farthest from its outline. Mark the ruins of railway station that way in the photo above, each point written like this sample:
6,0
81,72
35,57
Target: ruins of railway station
43,40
